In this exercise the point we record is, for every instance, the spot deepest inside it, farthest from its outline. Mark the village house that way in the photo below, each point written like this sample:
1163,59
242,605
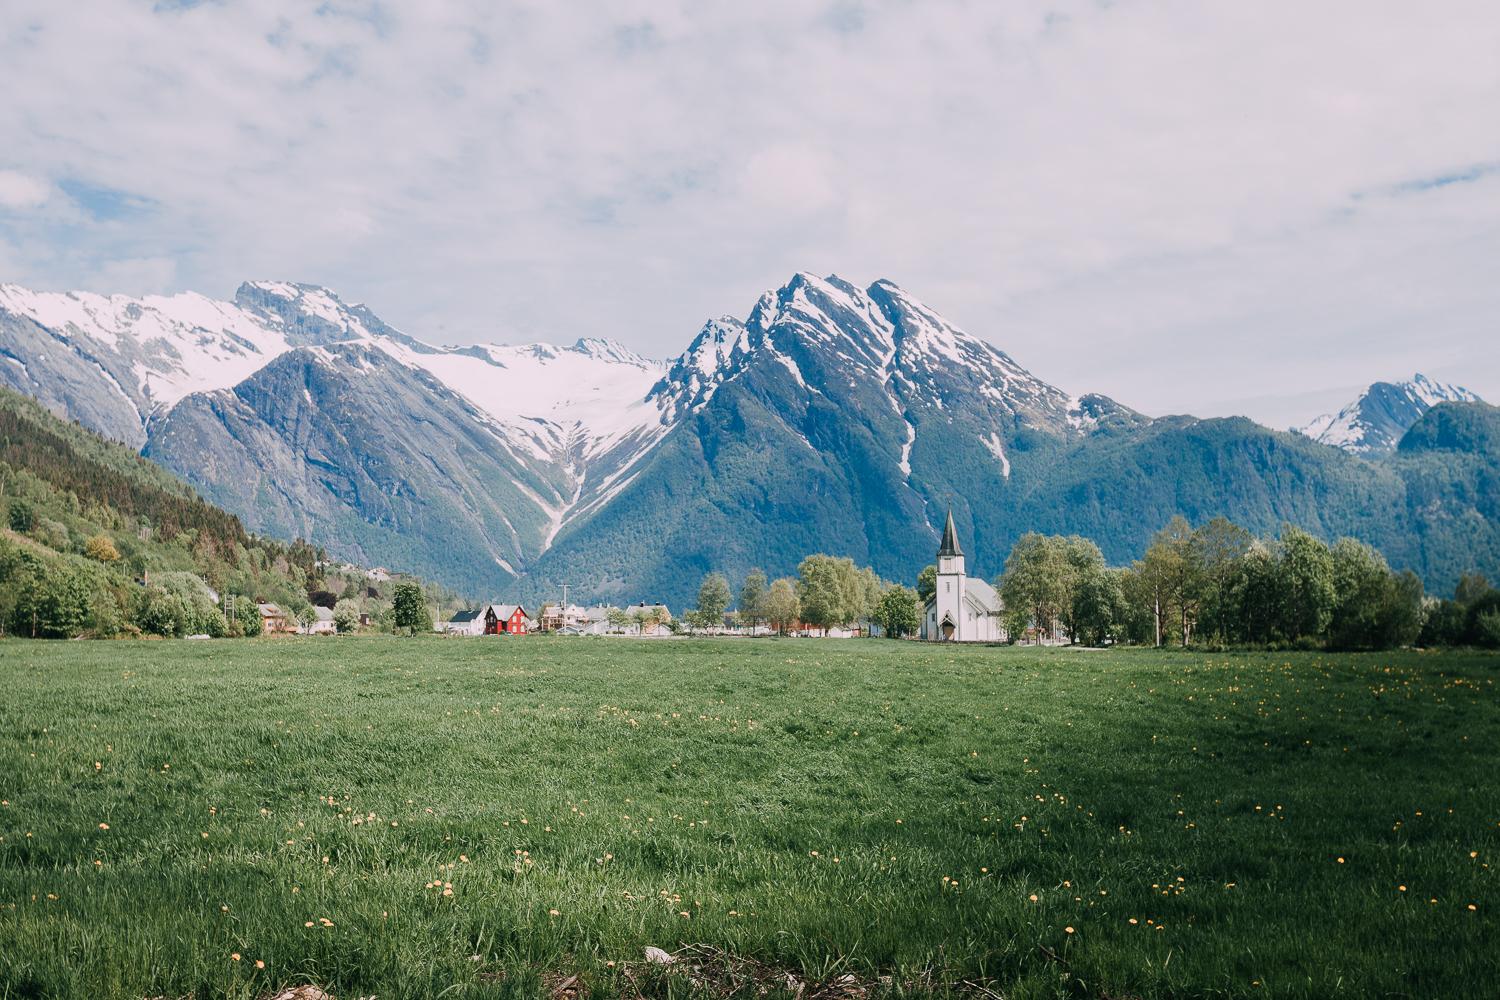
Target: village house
323,623
464,623
272,618
962,609
491,619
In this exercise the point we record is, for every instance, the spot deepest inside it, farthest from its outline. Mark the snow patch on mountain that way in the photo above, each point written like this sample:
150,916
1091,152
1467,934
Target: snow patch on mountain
997,448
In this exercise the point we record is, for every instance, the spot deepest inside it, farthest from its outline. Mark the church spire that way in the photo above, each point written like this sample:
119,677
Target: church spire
949,546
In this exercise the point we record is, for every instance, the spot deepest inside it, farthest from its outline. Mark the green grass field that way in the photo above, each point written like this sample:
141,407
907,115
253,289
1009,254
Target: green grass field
474,818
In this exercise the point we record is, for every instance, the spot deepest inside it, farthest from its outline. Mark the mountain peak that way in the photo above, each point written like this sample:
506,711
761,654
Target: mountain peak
1378,417
605,349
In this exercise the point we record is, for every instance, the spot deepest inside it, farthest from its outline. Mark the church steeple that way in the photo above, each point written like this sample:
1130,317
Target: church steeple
949,546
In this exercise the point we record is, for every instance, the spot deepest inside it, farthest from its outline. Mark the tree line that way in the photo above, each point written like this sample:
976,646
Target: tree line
1218,584
827,592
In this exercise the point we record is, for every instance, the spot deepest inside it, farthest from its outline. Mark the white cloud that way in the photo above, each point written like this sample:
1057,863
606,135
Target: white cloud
1189,206
17,190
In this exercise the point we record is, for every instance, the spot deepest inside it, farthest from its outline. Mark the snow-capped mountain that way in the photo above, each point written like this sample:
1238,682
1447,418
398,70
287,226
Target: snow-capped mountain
832,417
1374,422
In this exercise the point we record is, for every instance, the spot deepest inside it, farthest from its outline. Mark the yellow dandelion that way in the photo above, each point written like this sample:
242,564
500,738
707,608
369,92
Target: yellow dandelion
234,956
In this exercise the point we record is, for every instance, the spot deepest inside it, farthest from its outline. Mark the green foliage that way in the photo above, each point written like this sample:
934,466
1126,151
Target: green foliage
752,607
832,591
22,516
926,584
1471,587
1486,629
1053,583
713,599
1289,590
1374,608
1446,624
345,617
409,611
1306,584
783,607
92,516
897,612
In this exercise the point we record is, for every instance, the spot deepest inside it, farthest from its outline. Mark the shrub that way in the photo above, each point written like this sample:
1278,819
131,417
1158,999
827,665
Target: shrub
101,548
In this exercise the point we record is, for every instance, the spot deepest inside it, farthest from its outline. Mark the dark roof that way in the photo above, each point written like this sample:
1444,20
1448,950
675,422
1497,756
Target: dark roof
465,616
950,539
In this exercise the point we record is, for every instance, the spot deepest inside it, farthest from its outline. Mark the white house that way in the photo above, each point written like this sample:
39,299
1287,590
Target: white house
464,623
323,623
961,609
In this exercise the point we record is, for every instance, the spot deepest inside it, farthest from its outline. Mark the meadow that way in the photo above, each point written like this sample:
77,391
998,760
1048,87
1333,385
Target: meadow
497,818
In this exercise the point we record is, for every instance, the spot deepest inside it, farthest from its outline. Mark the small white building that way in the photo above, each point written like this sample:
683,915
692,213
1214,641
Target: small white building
961,609
322,624
464,623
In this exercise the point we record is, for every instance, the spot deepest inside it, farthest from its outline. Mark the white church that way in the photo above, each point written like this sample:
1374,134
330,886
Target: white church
961,609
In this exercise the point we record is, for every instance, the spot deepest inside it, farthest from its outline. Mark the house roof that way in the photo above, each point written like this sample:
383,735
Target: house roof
464,617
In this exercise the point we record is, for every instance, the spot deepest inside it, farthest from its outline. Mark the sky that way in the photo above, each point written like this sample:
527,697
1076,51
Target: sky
1191,206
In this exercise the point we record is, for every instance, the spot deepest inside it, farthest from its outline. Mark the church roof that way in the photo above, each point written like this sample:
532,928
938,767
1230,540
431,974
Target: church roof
950,539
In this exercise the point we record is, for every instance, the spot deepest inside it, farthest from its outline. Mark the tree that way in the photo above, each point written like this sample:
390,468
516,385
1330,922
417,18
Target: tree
1034,585
345,617
1483,621
1306,572
1366,597
1257,597
1099,606
926,584
871,589
164,612
1151,584
247,617
829,590
1444,625
782,605
101,548
409,609
618,618
1087,609
1471,587
753,599
22,516
713,599
307,617
1216,550
897,612
1179,566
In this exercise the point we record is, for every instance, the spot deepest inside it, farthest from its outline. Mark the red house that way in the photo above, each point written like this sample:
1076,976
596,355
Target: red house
505,619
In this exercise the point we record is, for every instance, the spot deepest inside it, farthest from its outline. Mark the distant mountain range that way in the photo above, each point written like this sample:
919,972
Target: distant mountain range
833,418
